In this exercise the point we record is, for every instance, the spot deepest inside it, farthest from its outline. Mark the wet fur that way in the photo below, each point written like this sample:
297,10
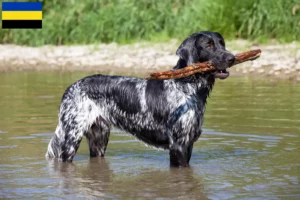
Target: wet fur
166,114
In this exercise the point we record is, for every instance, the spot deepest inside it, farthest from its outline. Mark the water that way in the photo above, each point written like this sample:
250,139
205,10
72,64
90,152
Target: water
249,148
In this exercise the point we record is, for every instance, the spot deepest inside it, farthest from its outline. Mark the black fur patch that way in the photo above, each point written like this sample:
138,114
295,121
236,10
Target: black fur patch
156,100
126,97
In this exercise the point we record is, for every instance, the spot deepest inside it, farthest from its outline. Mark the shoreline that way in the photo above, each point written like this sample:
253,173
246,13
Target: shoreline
277,61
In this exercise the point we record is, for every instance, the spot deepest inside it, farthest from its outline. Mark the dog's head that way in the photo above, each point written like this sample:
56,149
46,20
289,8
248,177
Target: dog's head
205,46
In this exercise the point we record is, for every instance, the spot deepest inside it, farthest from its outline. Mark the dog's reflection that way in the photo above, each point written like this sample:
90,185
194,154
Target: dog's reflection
81,180
96,180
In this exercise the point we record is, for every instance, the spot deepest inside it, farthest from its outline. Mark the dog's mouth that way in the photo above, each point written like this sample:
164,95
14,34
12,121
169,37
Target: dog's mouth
221,74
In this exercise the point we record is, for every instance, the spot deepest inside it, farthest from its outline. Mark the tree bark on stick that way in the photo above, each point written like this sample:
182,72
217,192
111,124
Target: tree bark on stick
202,67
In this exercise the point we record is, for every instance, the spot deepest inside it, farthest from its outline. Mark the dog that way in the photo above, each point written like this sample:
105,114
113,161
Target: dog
166,114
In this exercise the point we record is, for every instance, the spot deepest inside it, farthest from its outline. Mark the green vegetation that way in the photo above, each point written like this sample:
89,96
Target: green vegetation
124,21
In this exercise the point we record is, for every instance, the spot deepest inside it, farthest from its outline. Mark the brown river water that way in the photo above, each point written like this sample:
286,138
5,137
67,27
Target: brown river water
249,149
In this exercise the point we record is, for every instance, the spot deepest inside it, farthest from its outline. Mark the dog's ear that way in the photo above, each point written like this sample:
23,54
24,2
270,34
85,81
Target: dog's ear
187,52
182,52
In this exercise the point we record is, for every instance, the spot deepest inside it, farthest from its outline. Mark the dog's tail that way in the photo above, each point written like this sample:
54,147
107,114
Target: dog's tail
54,150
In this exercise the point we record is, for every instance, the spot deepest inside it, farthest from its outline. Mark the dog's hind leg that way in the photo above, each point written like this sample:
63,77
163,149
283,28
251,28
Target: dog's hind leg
77,115
97,137
64,144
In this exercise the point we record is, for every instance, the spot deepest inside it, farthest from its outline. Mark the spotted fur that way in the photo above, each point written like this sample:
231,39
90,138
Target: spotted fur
166,114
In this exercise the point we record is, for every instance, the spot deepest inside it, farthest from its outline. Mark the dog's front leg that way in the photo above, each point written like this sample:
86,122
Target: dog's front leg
189,152
180,155
180,152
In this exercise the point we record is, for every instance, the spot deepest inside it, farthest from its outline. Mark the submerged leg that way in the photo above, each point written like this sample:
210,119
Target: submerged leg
64,145
180,155
98,137
189,152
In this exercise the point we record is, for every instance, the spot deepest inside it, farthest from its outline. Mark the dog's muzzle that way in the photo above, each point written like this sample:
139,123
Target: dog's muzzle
221,72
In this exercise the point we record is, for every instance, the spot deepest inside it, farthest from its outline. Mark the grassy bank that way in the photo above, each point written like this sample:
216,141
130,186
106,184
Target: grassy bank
123,21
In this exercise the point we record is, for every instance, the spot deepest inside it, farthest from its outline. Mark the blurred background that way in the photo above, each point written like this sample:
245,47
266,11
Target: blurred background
126,21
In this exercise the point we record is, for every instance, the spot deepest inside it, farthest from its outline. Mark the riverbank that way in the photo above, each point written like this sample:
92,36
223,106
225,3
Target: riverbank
278,61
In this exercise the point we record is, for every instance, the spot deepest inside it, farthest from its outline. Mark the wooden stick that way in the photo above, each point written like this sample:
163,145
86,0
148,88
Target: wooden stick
202,67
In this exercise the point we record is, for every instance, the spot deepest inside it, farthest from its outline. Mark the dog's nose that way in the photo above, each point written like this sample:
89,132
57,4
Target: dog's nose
230,59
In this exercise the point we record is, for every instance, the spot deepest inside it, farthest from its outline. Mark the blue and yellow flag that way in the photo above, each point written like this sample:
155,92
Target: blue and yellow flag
22,15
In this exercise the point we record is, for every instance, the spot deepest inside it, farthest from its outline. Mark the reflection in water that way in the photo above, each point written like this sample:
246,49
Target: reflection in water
249,147
84,181
96,178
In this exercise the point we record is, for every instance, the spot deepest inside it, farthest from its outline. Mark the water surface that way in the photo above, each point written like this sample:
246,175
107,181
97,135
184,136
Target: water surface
249,148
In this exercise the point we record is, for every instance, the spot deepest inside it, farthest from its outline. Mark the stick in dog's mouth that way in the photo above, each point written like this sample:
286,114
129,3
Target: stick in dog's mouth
204,67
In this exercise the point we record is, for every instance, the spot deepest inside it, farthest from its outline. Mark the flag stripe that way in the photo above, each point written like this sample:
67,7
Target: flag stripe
26,15
22,6
21,24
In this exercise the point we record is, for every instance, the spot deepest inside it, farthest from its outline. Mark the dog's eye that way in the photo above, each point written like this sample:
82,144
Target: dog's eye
209,45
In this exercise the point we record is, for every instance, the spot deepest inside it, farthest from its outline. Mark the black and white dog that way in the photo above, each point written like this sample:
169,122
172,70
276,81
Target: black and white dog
166,114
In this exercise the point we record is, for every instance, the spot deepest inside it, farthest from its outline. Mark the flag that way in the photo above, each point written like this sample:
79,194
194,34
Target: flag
22,15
